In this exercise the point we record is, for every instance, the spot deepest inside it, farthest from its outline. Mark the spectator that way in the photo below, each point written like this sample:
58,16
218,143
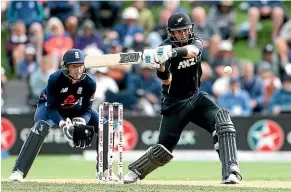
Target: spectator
146,18
129,27
221,85
57,41
16,44
104,14
128,84
237,101
27,66
115,47
268,60
104,83
271,84
159,32
39,78
71,25
61,9
223,16
208,31
173,6
283,44
281,99
206,79
263,10
36,37
224,56
138,42
88,37
254,86
150,92
26,11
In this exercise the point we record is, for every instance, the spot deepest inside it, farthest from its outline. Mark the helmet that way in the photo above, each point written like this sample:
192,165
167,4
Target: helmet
180,21
73,56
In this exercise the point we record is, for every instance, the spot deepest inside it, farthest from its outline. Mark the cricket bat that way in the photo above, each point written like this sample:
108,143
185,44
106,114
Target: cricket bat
113,59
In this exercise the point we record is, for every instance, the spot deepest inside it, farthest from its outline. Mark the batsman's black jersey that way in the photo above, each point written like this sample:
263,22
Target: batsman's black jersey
186,73
61,95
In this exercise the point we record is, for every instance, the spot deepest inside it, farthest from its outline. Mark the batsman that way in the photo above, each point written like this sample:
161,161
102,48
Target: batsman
66,102
178,64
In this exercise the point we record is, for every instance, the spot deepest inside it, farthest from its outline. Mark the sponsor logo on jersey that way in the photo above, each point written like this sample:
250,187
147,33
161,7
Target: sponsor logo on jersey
64,90
187,63
79,91
265,135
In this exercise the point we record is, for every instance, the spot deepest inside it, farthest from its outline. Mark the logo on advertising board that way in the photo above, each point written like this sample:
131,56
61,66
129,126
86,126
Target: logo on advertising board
8,134
130,137
266,136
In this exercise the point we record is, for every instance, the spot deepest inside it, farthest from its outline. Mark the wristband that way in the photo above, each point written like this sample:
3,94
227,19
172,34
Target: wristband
180,52
163,75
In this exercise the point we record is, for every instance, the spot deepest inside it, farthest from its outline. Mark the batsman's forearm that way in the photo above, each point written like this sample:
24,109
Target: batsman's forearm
164,75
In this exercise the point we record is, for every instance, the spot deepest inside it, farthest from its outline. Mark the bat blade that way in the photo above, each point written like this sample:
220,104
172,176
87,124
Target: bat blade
113,59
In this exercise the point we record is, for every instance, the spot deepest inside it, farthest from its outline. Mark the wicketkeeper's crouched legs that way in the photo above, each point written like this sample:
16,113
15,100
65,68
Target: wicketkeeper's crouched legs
227,145
31,147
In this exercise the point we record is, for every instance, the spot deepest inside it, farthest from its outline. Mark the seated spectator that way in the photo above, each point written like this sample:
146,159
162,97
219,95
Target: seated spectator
283,44
27,66
224,56
104,14
39,78
149,93
57,41
221,84
115,47
253,84
224,17
206,79
26,11
237,101
269,59
159,32
16,44
139,43
281,100
173,6
36,37
88,37
263,10
271,84
146,18
128,84
61,9
208,31
129,27
71,25
104,83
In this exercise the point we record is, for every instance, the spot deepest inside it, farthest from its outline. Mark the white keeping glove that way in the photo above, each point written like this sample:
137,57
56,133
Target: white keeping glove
154,58
78,121
68,129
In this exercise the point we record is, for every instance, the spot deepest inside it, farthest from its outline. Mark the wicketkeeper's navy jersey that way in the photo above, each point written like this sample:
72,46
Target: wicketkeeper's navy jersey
61,95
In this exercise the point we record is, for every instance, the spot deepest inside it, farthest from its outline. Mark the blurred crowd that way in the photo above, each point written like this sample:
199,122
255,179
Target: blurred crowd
41,31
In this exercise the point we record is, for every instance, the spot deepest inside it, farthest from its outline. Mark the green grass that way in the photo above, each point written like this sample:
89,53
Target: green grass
48,167
63,167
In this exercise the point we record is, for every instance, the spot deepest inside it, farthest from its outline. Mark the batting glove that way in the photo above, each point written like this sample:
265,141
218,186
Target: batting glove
68,129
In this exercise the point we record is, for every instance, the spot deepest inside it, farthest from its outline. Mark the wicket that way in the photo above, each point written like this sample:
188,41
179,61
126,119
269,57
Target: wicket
110,154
